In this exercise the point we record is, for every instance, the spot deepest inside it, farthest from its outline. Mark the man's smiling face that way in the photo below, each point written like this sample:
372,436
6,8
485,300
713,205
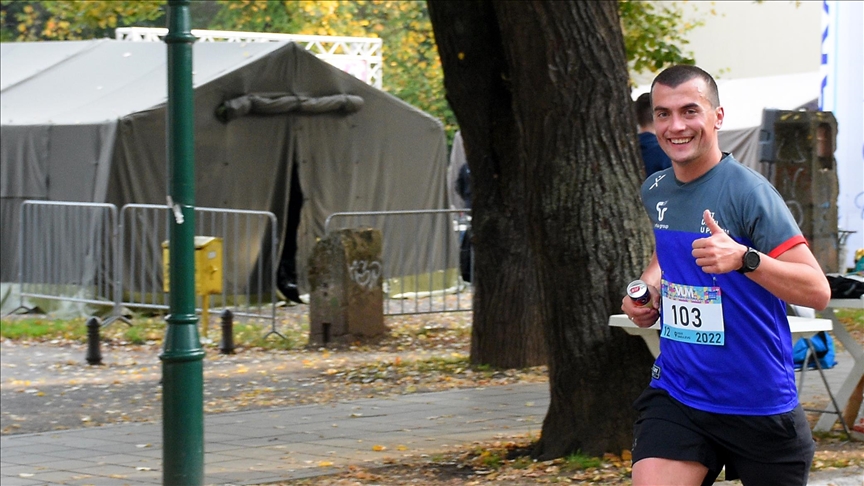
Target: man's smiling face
687,124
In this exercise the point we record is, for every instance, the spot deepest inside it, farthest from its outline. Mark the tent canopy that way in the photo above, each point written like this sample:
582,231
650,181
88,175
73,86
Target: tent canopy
86,121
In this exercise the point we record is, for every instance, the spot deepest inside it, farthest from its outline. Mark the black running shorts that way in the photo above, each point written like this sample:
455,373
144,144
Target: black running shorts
759,450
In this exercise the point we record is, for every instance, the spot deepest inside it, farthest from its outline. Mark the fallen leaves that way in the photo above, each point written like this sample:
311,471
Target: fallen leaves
494,462
420,354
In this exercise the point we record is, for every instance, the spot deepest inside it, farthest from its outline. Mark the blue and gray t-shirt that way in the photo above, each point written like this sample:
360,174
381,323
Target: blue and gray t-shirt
726,345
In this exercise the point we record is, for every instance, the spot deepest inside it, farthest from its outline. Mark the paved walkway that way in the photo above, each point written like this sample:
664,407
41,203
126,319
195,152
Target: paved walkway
304,441
277,444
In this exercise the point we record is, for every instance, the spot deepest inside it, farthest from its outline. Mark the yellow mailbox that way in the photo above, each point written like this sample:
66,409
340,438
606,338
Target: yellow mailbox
208,272
208,265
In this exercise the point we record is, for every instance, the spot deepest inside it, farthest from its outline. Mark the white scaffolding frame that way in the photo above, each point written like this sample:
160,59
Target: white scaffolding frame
358,56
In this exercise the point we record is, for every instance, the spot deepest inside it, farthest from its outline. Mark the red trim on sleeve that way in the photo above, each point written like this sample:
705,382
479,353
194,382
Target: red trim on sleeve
782,247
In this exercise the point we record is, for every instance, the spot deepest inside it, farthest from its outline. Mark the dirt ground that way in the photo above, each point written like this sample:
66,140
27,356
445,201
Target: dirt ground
49,386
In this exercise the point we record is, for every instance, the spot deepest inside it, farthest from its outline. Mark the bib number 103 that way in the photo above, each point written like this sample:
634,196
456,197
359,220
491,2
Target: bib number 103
692,314
686,316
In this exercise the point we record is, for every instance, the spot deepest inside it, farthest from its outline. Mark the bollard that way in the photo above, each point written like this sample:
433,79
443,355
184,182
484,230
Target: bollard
226,346
94,355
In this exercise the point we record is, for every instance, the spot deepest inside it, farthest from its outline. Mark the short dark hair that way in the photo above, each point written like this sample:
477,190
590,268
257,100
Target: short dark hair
681,73
644,113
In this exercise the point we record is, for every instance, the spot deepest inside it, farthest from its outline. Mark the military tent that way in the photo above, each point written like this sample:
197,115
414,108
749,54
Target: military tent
86,121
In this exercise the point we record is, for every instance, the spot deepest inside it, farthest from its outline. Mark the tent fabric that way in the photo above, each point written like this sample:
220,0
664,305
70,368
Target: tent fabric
86,121
31,59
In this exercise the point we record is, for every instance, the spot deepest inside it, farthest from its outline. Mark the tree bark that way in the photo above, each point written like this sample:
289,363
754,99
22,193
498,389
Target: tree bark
507,330
540,90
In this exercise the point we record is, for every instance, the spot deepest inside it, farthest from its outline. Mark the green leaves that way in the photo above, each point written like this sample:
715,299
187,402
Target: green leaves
66,20
654,33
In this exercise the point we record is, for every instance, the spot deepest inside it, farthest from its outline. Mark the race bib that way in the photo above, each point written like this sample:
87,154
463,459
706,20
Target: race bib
692,314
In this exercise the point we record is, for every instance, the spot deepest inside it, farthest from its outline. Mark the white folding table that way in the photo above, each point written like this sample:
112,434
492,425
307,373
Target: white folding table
800,327
844,395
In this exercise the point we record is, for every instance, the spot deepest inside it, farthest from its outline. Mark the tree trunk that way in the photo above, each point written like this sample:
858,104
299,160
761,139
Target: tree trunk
507,330
540,90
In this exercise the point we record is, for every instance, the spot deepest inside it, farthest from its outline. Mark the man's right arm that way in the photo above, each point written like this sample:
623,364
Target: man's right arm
646,316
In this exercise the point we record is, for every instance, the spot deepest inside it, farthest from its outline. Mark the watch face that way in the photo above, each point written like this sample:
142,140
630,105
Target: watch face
751,259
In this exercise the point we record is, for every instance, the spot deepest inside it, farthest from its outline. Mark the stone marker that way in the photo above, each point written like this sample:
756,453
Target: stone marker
346,300
805,174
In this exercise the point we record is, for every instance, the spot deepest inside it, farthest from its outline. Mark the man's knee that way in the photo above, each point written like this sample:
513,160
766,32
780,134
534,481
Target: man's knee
652,471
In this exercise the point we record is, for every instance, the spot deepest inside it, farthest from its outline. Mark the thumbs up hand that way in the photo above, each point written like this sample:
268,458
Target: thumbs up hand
718,253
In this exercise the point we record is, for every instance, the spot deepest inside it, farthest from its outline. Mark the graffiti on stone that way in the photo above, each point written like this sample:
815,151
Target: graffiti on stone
365,273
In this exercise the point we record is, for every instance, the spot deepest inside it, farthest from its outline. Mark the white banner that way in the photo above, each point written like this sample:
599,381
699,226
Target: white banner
842,92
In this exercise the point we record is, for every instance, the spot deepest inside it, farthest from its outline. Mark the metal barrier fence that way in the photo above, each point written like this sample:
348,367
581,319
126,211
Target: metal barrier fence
68,251
250,243
421,276
77,252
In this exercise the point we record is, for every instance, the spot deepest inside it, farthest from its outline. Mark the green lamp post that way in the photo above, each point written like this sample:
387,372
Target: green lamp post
182,356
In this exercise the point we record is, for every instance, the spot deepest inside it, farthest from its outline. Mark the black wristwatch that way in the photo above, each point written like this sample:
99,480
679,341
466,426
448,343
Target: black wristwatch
750,261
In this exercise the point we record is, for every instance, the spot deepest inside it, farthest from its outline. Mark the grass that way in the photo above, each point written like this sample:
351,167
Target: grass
456,366
247,333
150,329
515,456
522,462
142,334
578,461
490,458
853,318
32,328
254,336
144,330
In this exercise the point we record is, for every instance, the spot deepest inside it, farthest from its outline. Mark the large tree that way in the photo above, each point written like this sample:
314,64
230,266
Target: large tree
540,90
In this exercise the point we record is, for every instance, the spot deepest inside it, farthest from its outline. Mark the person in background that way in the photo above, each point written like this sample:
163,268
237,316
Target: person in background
728,256
463,185
654,158
457,162
459,187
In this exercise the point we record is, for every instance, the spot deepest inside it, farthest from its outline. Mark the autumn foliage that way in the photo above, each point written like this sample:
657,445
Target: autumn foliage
654,34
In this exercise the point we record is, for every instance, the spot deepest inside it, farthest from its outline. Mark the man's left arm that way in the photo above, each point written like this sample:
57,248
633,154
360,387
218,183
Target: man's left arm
793,276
